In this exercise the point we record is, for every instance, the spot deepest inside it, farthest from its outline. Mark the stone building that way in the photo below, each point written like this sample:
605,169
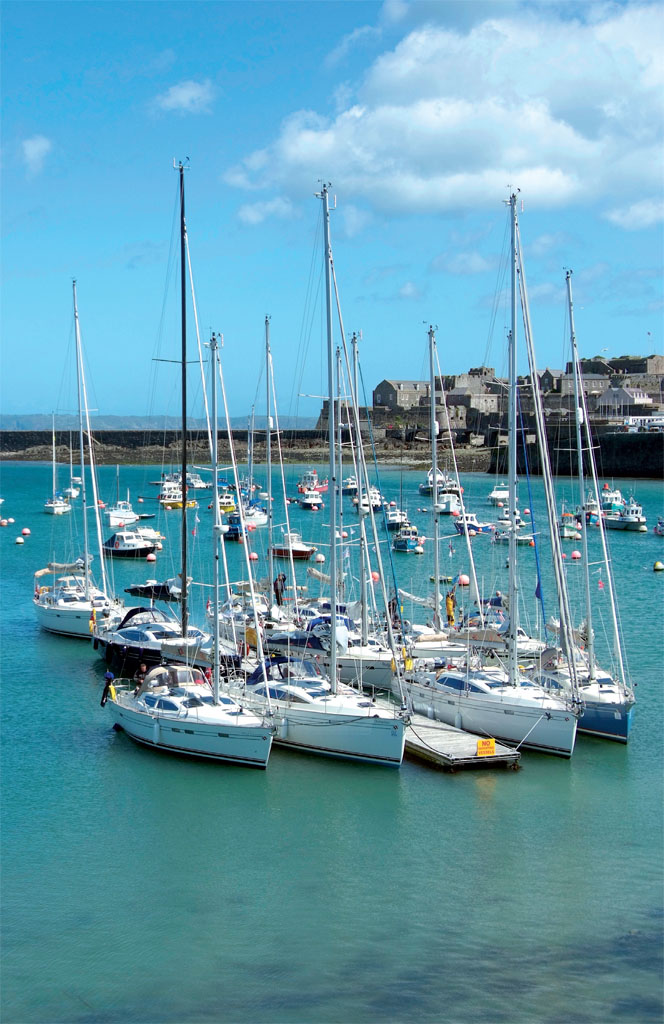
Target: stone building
400,395
623,401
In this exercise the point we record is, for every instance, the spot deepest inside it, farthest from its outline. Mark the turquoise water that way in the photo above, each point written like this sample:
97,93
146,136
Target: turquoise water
138,887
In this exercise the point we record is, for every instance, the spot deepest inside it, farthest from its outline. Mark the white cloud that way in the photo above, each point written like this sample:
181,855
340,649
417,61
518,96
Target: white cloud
567,109
187,98
354,219
642,214
256,213
545,244
410,290
461,263
358,36
35,150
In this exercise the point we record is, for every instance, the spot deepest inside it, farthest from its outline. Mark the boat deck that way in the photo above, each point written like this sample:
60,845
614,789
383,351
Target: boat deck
447,747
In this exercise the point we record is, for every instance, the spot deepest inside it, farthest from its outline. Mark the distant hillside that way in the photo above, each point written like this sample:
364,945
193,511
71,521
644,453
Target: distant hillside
42,421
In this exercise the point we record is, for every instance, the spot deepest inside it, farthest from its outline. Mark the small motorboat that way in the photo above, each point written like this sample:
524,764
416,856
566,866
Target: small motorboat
130,544
630,517
309,482
499,495
568,527
408,539
310,500
395,518
467,521
293,545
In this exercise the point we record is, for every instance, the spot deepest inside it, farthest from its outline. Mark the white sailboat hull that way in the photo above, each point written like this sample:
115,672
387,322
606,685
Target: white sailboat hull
247,745
374,740
73,621
535,727
56,508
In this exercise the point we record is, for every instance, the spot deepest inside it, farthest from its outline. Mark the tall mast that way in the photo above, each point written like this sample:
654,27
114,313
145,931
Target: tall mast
183,307
340,471
578,421
268,446
332,489
362,510
53,453
84,505
434,473
512,451
216,529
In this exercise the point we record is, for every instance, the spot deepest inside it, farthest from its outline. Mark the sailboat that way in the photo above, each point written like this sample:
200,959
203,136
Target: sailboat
500,700
121,514
56,505
73,490
316,713
174,708
71,604
608,701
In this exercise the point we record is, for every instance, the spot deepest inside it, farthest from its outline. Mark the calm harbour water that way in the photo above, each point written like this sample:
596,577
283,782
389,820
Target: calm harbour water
140,887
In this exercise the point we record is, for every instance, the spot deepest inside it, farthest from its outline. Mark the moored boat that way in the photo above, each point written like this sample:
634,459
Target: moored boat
293,546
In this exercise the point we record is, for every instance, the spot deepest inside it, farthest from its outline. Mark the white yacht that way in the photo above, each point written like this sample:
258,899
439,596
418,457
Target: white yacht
311,718
121,514
71,605
174,710
483,701
499,495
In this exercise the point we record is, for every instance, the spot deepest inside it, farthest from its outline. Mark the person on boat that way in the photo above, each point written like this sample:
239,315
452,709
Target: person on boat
139,677
450,604
108,680
279,586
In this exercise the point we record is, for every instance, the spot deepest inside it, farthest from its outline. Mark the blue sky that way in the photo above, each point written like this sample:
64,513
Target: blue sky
419,114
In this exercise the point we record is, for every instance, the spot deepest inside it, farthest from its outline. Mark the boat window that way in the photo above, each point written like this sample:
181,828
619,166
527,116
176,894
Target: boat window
452,682
166,705
150,700
132,634
192,702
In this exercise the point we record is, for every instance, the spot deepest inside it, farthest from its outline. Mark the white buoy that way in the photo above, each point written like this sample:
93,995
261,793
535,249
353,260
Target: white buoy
472,533
320,558
151,557
10,520
253,557
25,531
19,540
419,550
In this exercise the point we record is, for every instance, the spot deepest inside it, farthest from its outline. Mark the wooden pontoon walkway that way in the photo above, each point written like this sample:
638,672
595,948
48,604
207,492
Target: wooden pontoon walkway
447,747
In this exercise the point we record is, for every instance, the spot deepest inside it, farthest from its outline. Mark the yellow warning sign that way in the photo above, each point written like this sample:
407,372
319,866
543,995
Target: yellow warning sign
486,747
